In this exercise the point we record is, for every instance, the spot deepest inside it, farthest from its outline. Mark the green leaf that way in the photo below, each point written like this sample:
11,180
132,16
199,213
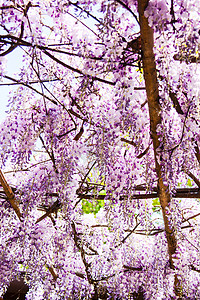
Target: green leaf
92,206
189,182
155,203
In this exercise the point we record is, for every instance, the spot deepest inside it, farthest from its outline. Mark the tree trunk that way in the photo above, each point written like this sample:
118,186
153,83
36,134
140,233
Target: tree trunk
151,83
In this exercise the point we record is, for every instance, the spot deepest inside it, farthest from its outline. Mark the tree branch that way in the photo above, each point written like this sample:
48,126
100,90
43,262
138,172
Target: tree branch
10,195
53,273
197,152
78,243
132,231
51,154
129,268
52,209
180,193
151,83
76,70
196,180
174,99
31,82
193,268
30,87
21,42
127,8
129,142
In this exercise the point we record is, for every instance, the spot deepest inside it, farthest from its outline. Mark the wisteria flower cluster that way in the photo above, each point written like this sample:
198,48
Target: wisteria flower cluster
99,150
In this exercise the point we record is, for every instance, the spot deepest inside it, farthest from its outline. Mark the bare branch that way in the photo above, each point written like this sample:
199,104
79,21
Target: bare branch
30,87
129,268
52,209
132,231
76,70
197,151
10,195
51,154
196,180
177,106
53,273
129,142
127,8
30,82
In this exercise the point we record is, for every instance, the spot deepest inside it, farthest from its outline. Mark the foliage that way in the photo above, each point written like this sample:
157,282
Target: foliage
92,207
91,160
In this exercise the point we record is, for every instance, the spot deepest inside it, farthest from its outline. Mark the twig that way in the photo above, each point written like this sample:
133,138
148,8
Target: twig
76,70
129,142
53,273
30,87
51,155
182,135
86,175
31,82
79,245
83,24
52,209
196,180
129,268
124,239
127,8
192,217
144,152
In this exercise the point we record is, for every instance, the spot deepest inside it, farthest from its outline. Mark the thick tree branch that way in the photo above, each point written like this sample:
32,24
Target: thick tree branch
10,195
151,83
180,193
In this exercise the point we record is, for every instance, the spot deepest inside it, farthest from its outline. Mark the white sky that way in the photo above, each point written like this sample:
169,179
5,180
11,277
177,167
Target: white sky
12,66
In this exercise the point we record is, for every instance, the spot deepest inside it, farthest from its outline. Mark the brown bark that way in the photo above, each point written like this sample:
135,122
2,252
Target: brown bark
10,195
197,152
151,83
53,273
